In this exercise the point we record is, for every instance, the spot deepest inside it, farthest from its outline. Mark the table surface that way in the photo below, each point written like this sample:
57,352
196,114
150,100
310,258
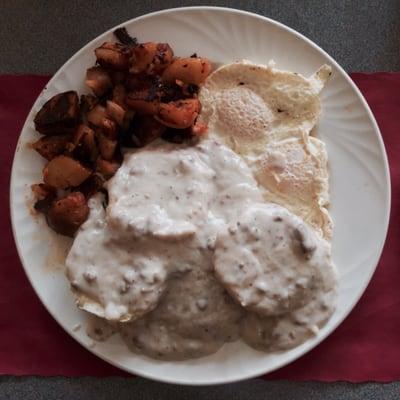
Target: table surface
37,38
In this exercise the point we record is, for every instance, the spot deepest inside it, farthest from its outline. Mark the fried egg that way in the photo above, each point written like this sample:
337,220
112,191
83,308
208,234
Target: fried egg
267,115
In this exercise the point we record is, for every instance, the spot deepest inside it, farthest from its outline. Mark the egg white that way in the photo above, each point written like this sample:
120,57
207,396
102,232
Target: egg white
266,115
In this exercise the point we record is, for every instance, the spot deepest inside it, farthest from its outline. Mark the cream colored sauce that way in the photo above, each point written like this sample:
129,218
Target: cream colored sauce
271,261
110,277
195,317
292,329
146,263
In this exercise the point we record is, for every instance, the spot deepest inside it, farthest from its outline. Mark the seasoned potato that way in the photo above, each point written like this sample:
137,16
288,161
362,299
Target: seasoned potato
106,168
116,112
137,81
109,128
58,115
179,114
142,57
107,147
98,80
164,56
63,172
41,190
199,129
80,133
88,102
113,55
96,115
188,70
151,57
85,143
144,130
142,102
68,213
117,77
119,94
92,185
177,136
51,146
89,144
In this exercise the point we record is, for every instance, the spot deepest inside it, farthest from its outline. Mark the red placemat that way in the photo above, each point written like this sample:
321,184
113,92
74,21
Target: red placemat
365,347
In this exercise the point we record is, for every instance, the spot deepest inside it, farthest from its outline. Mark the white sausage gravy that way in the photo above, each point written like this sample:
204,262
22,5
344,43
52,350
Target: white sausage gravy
187,256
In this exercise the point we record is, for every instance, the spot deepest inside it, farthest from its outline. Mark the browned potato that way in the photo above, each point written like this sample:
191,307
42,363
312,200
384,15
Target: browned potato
96,115
177,136
179,114
116,112
163,57
98,80
63,172
137,81
99,117
188,70
80,133
51,146
89,141
88,102
151,57
199,129
119,93
58,115
113,55
106,168
130,114
142,57
92,185
142,102
117,77
89,145
85,144
41,190
109,128
43,205
68,213
145,129
107,147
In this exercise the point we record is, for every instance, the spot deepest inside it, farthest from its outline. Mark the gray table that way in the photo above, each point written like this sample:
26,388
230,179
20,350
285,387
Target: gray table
39,36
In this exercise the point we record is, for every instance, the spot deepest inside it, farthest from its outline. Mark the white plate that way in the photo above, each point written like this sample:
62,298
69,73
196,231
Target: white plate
360,184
